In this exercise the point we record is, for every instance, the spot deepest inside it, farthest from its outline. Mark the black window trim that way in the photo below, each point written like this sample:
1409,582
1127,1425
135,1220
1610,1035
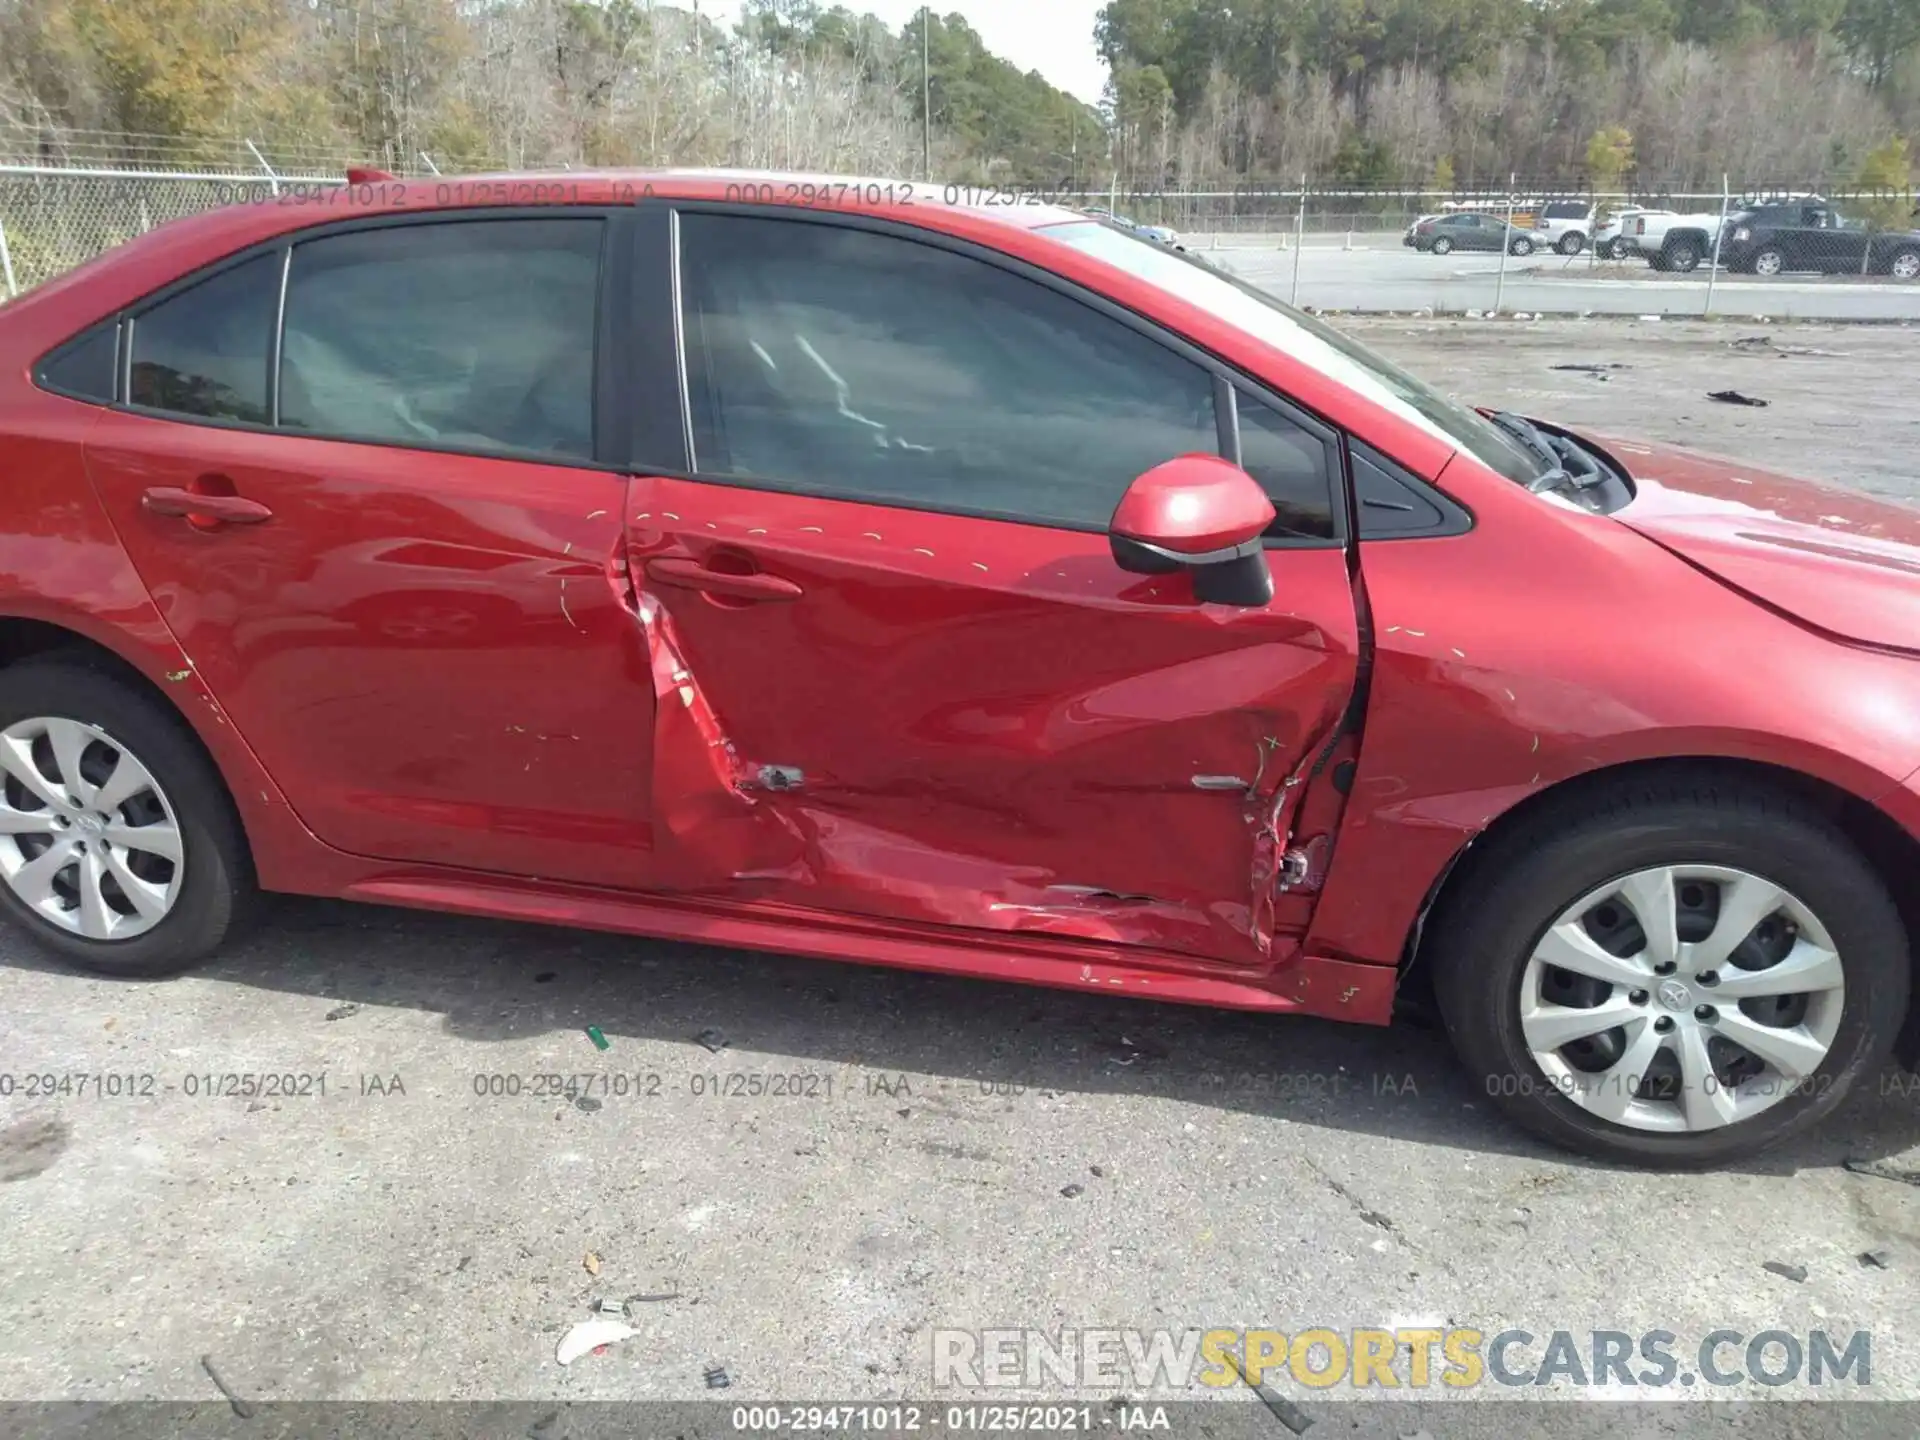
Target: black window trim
678,383
1455,518
615,282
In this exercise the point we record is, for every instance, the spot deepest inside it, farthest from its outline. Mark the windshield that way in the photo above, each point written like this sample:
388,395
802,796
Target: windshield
1305,339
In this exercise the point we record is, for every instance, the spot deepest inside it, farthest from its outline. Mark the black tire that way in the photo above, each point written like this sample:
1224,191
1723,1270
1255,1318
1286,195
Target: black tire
1908,259
217,887
1758,264
1607,250
1658,262
1486,935
1572,243
1441,245
1682,256
1522,246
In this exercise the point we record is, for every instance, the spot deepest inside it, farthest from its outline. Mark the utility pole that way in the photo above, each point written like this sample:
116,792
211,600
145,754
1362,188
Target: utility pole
926,98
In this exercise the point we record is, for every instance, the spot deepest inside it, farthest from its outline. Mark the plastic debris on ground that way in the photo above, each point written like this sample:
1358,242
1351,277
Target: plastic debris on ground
1734,397
590,1336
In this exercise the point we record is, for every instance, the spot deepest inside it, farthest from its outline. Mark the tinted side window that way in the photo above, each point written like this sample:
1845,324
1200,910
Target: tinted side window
84,367
843,362
1292,465
204,351
477,334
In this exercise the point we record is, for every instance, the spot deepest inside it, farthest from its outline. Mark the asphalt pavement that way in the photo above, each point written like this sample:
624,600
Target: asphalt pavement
1382,275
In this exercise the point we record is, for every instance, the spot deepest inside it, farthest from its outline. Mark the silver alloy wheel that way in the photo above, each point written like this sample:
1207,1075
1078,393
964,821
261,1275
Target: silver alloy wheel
1683,998
1769,262
1906,265
88,840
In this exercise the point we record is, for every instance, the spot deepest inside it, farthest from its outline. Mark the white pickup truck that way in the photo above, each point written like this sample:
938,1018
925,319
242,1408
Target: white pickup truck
1669,241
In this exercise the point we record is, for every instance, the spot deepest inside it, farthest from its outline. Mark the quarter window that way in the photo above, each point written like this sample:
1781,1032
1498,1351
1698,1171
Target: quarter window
203,352
836,361
470,334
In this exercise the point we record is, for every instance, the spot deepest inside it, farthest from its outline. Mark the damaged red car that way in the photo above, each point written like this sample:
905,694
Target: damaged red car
864,570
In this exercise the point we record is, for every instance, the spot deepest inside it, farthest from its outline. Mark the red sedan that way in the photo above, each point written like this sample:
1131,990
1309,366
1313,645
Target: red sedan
879,572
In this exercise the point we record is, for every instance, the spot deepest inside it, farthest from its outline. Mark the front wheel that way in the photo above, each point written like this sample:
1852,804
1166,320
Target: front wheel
1572,244
1770,261
1442,245
1522,246
1905,265
119,847
1674,975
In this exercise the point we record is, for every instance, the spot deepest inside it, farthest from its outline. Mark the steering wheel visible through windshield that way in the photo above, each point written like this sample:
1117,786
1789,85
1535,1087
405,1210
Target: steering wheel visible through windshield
1306,339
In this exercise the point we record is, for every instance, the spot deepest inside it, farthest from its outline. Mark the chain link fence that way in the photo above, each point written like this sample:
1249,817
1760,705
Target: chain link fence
54,216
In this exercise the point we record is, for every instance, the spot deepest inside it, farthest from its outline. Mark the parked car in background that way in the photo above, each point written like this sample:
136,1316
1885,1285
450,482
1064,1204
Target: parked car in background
1810,234
1606,238
1567,224
980,590
1471,230
1670,241
1162,234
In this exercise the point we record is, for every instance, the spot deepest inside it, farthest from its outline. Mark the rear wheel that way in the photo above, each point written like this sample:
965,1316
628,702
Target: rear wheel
1681,255
1672,975
118,845
1905,265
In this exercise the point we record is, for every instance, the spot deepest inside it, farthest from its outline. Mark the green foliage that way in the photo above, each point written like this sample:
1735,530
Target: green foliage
1887,171
1609,157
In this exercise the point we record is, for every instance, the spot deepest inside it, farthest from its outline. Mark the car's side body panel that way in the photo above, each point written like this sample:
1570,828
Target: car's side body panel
1541,645
1481,698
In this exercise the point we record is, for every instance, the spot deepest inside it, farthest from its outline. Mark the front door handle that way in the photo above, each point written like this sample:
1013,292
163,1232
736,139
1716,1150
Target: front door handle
692,575
233,509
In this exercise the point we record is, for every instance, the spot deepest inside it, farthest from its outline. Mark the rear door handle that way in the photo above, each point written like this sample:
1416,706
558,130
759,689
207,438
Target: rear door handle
233,509
692,575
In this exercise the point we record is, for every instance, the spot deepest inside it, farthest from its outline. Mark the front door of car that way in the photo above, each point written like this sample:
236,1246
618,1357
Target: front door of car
899,673
391,566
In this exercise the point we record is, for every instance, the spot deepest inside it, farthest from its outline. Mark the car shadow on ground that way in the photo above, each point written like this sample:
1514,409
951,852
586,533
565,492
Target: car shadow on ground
496,980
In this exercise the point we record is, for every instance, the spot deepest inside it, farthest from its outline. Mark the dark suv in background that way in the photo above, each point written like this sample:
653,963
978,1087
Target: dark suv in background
1809,234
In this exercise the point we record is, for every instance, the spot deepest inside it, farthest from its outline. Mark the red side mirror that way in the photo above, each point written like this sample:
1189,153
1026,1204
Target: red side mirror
1201,514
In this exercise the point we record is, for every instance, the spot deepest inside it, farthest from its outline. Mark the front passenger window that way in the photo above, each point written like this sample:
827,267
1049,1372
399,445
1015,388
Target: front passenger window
841,362
472,334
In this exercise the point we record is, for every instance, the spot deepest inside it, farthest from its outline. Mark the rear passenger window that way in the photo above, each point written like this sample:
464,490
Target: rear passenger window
475,334
203,352
84,367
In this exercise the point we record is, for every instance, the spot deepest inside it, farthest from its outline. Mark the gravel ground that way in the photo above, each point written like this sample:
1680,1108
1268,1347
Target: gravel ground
1841,402
988,1155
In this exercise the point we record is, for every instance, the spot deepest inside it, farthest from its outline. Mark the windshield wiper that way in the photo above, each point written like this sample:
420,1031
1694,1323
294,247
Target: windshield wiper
1556,475
1523,430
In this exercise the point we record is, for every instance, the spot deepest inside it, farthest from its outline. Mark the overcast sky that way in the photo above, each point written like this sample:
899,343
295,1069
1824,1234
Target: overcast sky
1054,37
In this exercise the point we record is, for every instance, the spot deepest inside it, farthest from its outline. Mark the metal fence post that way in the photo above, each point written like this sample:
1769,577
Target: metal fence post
272,179
6,263
1506,243
1299,240
1713,271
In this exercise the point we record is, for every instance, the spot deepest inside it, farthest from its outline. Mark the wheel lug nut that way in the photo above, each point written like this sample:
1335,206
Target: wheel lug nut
1708,977
1665,967
1663,1024
1705,1013
1638,997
